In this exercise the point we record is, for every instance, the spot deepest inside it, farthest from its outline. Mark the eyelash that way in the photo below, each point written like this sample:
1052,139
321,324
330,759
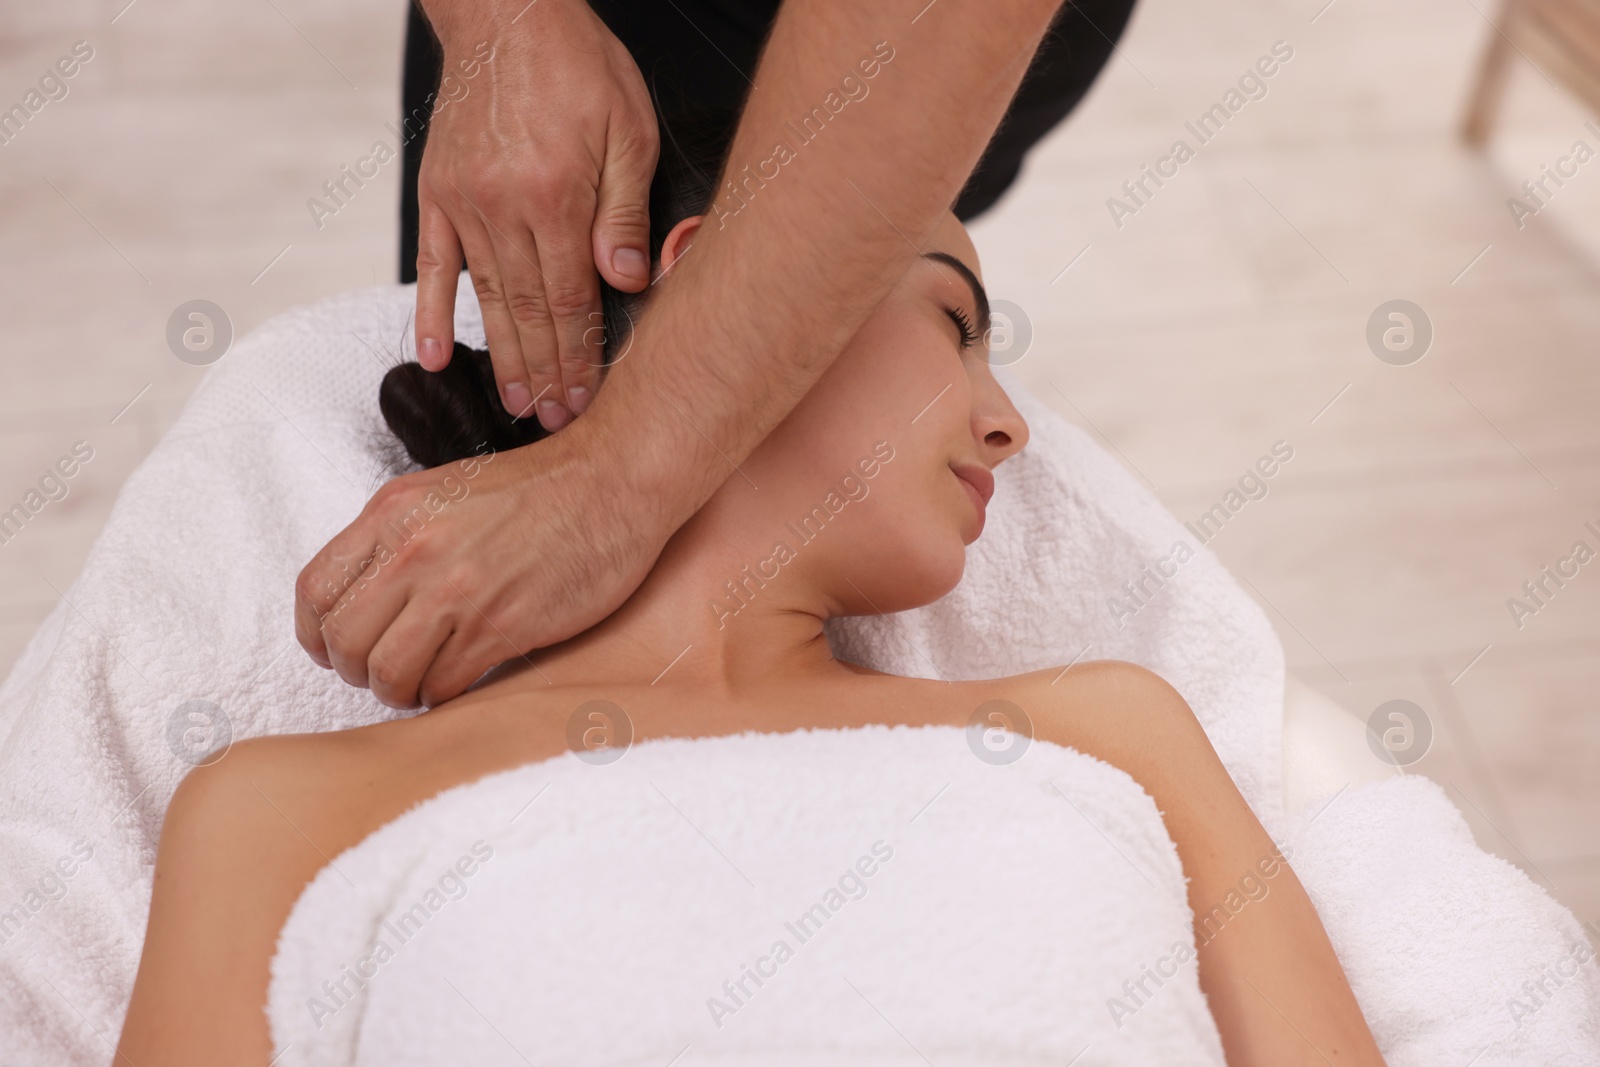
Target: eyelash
969,336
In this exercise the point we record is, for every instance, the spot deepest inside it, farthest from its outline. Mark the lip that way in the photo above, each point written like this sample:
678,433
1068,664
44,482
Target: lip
980,485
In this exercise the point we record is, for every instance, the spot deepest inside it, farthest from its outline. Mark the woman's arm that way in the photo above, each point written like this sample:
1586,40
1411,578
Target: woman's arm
1274,984
244,836
241,839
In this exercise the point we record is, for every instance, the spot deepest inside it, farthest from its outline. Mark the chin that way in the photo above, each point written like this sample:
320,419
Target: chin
916,573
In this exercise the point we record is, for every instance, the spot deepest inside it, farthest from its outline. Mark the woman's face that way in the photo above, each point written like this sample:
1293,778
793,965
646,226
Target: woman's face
877,481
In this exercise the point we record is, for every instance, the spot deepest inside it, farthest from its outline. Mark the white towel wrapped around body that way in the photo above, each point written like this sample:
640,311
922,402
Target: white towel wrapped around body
902,898
881,897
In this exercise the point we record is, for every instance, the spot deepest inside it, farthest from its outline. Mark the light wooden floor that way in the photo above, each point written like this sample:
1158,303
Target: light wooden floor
1227,313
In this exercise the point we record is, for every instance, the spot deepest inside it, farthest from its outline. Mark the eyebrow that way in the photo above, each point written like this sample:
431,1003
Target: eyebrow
980,295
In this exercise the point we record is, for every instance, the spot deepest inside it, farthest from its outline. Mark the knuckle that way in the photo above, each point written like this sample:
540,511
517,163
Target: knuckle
576,369
462,582
488,287
385,493
429,261
549,183
334,628
635,139
457,193
328,602
432,188
352,669
308,587
564,191
627,215
402,501
381,676
568,302
387,680
393,495
333,637
528,307
489,192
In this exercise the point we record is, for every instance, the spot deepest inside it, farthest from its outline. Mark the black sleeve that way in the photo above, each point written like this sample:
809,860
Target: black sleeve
703,52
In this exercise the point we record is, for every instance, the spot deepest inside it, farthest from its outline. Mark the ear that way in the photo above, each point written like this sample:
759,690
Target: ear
679,240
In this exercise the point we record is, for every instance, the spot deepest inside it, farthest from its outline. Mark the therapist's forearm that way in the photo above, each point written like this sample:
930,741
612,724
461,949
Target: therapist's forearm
782,275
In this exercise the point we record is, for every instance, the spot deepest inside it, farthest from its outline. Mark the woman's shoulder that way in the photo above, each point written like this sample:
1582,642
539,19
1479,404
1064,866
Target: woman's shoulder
1082,680
286,796
328,790
1053,703
280,766
317,794
1058,702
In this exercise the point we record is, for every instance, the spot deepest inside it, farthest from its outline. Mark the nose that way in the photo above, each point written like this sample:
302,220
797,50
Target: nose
997,426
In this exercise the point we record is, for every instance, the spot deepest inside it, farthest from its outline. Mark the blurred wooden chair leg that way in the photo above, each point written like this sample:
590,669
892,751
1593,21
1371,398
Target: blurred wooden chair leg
1560,38
1490,86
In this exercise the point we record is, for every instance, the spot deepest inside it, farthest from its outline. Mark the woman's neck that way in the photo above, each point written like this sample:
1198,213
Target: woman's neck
705,617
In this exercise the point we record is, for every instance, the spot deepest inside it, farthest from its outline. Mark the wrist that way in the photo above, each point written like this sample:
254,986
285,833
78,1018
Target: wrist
625,457
463,25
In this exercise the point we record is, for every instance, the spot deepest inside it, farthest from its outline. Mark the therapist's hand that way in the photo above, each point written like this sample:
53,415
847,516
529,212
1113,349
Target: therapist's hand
539,174
447,572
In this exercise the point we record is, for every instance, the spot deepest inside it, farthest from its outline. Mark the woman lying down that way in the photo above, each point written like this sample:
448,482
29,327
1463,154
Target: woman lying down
245,836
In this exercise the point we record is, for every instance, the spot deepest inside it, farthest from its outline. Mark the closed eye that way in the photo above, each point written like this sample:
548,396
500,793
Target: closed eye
969,336
979,297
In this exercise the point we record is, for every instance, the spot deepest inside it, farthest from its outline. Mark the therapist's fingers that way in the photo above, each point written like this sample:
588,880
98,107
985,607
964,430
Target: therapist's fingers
572,294
322,584
469,651
499,329
622,206
352,564
363,615
487,267
525,274
438,270
398,661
